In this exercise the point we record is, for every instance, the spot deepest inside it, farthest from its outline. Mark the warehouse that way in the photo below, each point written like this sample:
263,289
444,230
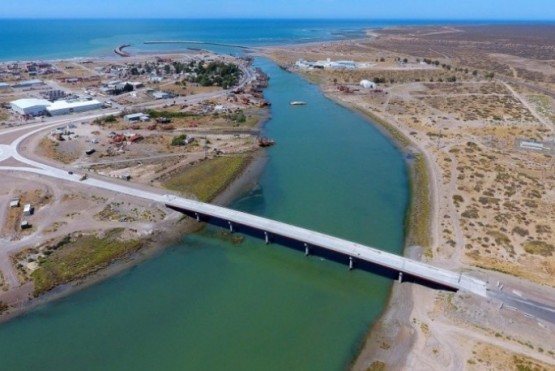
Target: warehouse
30,106
63,107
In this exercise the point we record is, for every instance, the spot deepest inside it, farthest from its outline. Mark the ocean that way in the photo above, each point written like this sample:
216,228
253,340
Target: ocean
52,39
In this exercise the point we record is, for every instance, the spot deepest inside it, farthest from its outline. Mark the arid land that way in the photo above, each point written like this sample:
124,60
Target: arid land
201,143
475,108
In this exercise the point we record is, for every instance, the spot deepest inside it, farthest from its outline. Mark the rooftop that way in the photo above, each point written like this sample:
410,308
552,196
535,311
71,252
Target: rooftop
30,102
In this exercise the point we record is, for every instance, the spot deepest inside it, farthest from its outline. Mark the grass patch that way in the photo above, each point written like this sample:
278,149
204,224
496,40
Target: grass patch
208,178
539,248
377,366
79,257
419,213
170,114
418,219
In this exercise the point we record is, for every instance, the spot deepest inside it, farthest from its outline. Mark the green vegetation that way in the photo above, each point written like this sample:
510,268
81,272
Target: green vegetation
179,140
377,366
75,258
420,210
208,178
170,114
539,248
214,74
419,213
525,364
126,89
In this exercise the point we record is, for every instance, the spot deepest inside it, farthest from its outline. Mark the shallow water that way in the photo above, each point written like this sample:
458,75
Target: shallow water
205,304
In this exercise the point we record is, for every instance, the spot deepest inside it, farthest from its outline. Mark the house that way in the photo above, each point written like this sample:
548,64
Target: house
161,95
134,117
367,84
14,202
28,210
25,224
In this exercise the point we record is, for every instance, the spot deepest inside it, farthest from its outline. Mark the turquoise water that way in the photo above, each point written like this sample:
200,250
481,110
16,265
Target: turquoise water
207,305
73,38
51,39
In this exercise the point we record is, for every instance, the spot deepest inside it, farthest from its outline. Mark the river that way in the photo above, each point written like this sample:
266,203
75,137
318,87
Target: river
205,304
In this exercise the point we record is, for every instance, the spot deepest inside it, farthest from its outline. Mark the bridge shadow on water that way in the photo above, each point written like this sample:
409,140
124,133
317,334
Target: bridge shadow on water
313,250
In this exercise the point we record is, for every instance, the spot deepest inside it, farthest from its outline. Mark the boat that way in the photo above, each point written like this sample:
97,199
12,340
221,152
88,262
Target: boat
265,142
297,103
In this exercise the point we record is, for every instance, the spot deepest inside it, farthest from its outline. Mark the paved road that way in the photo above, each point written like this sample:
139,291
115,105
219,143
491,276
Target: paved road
357,251
522,304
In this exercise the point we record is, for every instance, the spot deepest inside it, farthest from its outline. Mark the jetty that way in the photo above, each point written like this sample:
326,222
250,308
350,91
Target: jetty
122,53
194,42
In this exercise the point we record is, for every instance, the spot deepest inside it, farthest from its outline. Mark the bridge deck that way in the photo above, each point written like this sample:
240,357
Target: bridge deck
414,268
398,263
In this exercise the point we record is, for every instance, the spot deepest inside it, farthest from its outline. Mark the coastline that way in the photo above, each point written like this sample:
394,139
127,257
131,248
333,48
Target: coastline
168,233
393,329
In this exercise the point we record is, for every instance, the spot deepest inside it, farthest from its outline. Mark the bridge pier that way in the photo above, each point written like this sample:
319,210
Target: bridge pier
351,263
400,277
197,216
230,227
266,238
306,249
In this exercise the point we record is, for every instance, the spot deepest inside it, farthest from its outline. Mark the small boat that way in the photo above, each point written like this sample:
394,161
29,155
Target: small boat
297,103
265,142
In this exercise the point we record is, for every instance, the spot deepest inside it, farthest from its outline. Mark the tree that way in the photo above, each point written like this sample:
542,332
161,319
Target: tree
179,140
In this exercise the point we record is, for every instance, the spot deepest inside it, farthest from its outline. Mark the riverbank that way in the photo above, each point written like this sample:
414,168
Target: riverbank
166,233
460,127
391,338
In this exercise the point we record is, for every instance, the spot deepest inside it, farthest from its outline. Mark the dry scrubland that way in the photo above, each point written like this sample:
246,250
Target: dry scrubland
488,205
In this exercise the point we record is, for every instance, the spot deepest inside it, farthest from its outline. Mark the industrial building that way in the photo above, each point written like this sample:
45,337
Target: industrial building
30,106
27,84
63,107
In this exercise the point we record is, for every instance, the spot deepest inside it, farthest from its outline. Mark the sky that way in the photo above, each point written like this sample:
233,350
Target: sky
355,9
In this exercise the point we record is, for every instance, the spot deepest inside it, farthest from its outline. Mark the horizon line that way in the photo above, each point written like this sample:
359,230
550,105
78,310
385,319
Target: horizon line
289,19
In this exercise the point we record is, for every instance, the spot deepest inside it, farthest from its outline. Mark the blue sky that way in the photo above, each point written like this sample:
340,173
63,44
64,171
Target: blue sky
360,9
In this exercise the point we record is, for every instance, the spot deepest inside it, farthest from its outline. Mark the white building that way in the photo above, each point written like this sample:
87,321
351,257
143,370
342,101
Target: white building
63,107
133,117
30,106
367,84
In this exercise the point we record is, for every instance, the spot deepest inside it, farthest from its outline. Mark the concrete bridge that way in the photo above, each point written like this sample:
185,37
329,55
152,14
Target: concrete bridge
309,240
350,252
270,229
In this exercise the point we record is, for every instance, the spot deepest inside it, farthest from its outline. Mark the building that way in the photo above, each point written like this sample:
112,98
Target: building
28,210
14,202
367,84
30,106
162,95
53,95
27,84
134,117
63,107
